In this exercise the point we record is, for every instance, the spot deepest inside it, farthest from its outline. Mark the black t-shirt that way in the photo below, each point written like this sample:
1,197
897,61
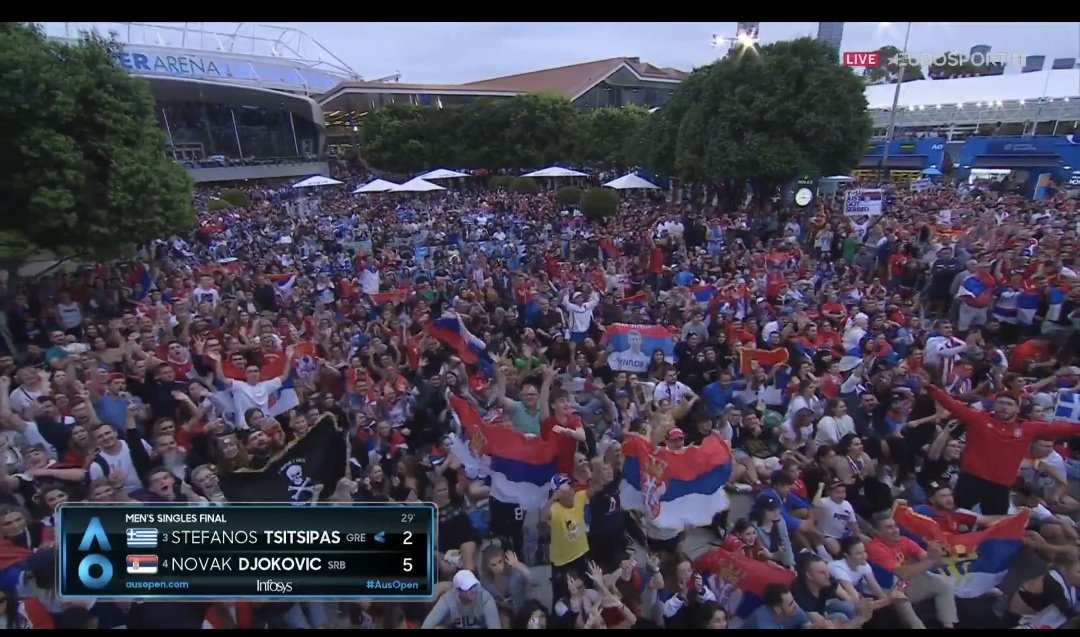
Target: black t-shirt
941,471
455,528
808,601
607,513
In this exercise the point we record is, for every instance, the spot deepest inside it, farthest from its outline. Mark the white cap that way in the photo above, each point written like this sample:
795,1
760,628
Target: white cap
465,580
862,317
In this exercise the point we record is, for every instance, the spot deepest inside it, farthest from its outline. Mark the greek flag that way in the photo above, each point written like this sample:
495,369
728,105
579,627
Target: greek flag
1068,407
144,538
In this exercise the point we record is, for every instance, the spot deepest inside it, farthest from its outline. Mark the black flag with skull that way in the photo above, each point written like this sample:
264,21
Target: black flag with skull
306,470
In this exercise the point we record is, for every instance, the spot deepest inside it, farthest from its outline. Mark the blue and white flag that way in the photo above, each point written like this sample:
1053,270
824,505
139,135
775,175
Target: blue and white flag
1068,407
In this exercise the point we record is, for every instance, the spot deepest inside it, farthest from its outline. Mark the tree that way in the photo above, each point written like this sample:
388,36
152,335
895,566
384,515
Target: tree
524,185
568,195
238,198
763,117
890,67
611,137
599,202
83,170
398,137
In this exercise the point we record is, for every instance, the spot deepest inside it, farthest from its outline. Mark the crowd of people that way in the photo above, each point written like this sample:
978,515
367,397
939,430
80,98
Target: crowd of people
851,365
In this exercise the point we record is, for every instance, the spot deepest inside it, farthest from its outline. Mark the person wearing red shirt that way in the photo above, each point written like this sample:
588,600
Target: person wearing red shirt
908,564
996,445
561,424
941,508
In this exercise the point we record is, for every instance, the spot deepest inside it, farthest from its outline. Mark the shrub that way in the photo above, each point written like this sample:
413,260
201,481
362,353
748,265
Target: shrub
599,202
238,198
568,195
501,181
218,204
525,186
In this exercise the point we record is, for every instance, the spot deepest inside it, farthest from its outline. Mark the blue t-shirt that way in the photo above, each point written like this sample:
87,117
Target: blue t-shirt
791,503
764,619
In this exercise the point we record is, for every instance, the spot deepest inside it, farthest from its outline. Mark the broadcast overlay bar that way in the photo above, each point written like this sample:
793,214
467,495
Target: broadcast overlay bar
238,551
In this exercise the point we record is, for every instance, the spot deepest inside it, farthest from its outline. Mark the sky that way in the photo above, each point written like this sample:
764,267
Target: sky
454,52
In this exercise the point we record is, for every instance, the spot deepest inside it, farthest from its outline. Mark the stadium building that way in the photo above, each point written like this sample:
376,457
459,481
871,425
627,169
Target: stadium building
613,82
234,105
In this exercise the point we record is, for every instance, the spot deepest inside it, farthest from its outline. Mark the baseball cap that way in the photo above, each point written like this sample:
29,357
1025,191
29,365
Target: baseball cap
767,502
934,487
465,581
558,480
676,434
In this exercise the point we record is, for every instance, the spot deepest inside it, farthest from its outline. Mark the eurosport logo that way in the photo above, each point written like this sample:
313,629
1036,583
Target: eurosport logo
973,58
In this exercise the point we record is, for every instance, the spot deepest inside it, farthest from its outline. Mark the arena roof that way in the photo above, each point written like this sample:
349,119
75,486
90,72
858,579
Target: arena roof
972,90
280,58
571,81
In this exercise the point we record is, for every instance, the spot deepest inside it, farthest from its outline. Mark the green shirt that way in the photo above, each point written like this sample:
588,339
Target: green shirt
523,420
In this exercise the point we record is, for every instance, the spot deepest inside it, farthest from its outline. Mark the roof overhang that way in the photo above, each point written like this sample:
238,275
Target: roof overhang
629,67
182,89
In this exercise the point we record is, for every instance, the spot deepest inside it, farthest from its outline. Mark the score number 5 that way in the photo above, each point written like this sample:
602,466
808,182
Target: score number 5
406,564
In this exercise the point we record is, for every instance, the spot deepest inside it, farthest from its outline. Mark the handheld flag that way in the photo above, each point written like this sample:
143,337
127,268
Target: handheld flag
977,561
635,344
675,488
764,357
293,474
520,467
1068,407
738,581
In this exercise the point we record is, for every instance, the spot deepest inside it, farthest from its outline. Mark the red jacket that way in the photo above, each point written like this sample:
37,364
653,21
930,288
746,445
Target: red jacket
995,449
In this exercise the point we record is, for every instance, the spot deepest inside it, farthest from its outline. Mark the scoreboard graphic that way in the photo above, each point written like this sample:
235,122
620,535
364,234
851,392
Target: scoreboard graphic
237,551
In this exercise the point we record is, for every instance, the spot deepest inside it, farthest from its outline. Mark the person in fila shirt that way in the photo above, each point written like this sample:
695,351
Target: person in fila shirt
252,392
206,293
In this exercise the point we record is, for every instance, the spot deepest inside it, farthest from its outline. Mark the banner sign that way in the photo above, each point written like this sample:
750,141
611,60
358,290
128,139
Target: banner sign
863,201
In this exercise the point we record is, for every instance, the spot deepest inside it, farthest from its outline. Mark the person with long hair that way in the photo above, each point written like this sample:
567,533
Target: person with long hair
1052,600
506,578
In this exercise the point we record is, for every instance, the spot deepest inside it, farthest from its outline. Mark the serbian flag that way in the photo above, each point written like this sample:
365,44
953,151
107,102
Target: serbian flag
281,400
977,289
144,282
520,466
283,284
675,488
764,357
977,561
450,331
634,300
738,581
395,296
703,294
634,345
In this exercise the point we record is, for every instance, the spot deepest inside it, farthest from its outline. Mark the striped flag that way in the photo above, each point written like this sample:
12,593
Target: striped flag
1068,407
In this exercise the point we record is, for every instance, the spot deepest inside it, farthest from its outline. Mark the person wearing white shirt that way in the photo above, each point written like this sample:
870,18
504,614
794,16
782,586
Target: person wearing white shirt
206,294
852,571
672,389
855,332
835,424
251,393
835,516
580,313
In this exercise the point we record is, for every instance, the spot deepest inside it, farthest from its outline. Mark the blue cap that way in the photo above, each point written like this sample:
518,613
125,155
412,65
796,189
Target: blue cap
766,502
558,480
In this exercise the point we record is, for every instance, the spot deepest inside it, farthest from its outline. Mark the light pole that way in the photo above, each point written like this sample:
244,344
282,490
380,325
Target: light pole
895,101
742,40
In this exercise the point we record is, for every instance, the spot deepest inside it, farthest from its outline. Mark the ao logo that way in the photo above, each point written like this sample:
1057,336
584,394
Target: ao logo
95,533
937,147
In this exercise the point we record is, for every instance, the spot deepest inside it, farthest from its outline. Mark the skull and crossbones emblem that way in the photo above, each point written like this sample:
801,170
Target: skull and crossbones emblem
300,484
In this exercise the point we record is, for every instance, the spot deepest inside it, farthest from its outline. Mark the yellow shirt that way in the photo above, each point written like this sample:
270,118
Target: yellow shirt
568,538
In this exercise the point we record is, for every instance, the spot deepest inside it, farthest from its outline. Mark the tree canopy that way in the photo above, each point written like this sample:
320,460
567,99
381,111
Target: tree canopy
887,72
763,116
528,131
82,166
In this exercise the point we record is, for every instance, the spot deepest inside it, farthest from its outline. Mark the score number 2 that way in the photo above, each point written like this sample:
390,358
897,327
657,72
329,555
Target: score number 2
406,565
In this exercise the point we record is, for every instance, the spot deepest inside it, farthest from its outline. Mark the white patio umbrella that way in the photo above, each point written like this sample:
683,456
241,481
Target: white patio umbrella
631,182
417,185
555,171
840,178
442,173
317,180
379,185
